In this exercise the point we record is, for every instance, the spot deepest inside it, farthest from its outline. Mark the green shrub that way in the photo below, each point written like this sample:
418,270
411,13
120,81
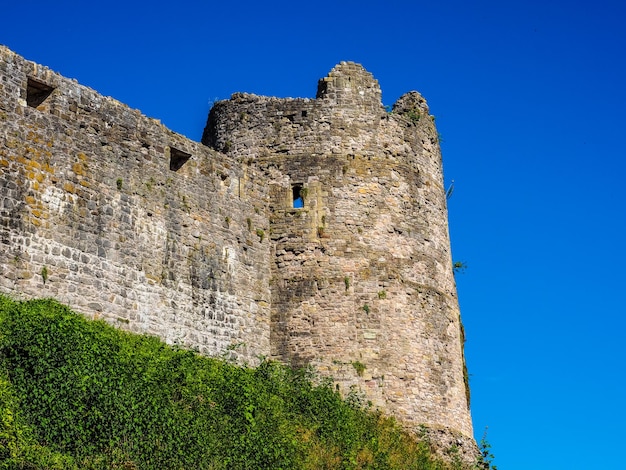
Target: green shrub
98,398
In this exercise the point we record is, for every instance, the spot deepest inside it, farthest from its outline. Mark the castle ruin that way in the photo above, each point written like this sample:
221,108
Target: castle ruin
311,231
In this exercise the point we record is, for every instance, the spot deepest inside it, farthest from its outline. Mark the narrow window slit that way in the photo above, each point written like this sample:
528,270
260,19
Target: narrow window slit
178,158
37,92
298,200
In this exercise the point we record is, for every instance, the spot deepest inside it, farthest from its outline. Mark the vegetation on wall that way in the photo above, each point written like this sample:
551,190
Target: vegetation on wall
76,394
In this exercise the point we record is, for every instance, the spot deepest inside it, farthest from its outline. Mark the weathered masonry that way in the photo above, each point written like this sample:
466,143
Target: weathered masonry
313,231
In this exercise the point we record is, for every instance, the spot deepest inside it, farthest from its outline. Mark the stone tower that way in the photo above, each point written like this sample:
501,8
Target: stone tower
362,285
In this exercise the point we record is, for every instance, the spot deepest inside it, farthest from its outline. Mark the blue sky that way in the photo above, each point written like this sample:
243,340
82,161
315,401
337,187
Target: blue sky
529,98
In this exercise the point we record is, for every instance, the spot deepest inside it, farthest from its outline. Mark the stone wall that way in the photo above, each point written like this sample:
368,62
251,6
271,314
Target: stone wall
127,220
313,231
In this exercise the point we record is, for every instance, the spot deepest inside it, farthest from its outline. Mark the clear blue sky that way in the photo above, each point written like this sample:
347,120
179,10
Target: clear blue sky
530,101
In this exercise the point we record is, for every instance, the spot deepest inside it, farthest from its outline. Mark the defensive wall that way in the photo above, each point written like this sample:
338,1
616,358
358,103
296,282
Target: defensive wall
312,231
127,219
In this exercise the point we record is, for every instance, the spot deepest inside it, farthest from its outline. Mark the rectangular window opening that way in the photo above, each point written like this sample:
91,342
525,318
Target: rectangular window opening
178,158
37,92
297,196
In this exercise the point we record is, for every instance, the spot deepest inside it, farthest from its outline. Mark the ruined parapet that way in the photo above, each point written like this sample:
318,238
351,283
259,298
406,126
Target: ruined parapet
362,285
350,86
348,106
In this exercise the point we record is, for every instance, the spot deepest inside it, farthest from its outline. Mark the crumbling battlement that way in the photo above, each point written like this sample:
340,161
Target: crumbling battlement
313,231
